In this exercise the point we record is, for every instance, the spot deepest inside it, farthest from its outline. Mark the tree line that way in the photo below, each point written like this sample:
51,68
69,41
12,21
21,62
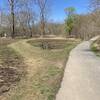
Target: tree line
24,16
86,25
30,18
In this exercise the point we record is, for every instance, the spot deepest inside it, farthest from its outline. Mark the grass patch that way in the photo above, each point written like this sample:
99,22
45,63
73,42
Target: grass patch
59,48
45,66
48,78
47,83
96,47
11,66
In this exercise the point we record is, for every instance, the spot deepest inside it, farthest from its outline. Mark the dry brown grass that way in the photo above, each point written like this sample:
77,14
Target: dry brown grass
11,67
44,68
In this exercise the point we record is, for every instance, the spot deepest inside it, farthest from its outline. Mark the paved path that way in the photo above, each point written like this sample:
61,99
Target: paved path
82,75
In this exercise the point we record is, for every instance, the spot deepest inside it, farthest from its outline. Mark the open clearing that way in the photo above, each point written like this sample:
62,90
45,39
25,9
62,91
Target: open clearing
38,72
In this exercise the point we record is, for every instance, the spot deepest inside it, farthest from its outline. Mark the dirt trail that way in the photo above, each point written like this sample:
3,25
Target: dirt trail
33,58
28,53
33,64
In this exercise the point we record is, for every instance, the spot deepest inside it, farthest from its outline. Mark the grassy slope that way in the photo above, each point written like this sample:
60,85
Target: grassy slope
8,57
96,47
11,63
45,71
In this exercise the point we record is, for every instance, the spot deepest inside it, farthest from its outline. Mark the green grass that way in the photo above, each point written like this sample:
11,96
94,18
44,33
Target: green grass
48,82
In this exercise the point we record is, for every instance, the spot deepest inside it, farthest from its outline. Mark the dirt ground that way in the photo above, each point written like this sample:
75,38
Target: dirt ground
11,66
31,72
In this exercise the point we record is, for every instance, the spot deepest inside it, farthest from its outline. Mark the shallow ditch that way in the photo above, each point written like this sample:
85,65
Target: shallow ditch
49,44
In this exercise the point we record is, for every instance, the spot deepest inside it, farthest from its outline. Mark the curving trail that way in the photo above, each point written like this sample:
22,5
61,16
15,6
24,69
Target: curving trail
29,54
82,75
33,63
31,86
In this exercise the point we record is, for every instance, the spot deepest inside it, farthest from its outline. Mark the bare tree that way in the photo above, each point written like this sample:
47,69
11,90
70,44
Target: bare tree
26,16
42,6
11,3
95,4
26,19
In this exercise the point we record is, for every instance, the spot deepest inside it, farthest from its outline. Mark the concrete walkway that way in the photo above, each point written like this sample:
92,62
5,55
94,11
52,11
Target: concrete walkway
82,75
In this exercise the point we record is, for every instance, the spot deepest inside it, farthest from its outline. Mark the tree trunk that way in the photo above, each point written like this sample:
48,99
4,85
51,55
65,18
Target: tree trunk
42,26
13,20
69,33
